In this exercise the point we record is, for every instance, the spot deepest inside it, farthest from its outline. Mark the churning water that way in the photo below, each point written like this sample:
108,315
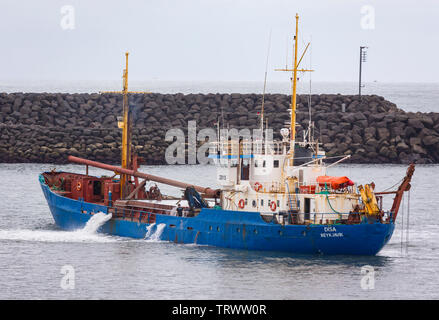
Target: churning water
33,250
95,222
154,232
86,234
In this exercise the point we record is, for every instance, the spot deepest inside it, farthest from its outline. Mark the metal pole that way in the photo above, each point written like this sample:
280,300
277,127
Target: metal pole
359,81
293,96
362,59
128,172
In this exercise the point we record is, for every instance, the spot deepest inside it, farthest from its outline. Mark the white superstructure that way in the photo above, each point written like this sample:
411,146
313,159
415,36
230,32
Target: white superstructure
261,176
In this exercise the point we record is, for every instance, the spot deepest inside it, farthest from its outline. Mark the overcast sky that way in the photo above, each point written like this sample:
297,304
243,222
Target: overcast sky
218,40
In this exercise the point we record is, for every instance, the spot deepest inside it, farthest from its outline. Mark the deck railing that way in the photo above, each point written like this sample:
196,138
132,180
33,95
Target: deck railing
231,148
133,214
142,216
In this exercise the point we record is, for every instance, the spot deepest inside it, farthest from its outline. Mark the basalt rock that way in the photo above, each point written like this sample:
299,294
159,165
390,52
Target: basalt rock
47,127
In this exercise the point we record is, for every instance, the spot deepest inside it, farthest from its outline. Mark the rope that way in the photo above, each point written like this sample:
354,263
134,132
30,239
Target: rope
402,223
335,211
56,188
399,182
408,224
334,157
329,202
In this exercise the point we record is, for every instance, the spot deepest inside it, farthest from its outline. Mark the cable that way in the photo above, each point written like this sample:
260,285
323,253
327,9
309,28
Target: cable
402,223
408,223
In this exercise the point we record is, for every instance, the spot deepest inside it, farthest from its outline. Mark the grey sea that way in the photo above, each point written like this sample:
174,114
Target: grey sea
34,253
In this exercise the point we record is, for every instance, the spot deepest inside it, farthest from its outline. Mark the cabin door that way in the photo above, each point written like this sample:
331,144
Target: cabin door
245,172
307,208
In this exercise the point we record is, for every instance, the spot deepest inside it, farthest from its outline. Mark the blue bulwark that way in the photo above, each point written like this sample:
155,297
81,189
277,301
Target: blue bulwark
230,229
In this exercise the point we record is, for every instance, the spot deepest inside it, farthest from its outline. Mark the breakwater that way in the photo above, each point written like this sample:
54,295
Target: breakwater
46,127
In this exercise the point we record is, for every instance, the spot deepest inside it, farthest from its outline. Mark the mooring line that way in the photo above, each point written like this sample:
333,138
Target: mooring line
402,223
408,223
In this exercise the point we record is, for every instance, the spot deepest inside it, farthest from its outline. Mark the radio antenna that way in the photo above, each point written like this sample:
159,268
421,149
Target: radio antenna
265,84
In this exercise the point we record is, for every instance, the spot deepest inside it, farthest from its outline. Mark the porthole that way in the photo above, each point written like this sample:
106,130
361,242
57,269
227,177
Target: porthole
254,203
218,229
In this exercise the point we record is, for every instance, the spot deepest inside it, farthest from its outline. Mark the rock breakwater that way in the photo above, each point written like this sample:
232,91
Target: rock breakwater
46,127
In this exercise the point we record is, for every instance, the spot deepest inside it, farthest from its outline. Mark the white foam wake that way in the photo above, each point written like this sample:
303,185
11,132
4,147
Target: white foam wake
154,232
86,234
149,230
53,236
95,222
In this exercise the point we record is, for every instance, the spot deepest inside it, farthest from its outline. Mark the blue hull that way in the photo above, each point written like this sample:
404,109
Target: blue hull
231,229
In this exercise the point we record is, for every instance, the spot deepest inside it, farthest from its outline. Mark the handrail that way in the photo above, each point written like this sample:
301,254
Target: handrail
337,162
151,216
253,147
141,207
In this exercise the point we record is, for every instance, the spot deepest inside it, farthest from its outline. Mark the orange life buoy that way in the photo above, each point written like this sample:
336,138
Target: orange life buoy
258,186
241,203
79,186
273,206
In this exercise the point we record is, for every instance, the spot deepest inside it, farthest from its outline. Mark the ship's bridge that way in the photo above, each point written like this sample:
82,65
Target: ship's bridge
245,162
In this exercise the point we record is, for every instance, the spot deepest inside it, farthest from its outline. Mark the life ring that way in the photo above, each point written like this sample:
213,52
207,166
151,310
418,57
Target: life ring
79,186
257,186
273,206
241,203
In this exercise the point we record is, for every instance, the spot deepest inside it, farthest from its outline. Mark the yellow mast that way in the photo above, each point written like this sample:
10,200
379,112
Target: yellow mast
126,130
294,71
126,157
293,96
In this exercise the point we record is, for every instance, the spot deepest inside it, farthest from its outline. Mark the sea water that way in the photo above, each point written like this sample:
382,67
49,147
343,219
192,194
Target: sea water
33,251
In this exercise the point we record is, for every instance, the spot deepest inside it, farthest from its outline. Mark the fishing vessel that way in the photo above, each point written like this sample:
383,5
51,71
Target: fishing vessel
273,195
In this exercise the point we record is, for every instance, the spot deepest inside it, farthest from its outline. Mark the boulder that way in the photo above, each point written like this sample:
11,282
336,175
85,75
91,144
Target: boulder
430,140
415,123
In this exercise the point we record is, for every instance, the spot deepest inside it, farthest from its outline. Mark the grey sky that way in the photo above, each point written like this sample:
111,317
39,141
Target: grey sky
216,40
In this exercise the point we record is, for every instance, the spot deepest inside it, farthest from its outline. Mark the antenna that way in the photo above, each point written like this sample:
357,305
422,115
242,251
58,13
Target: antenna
294,70
265,83
309,97
362,59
